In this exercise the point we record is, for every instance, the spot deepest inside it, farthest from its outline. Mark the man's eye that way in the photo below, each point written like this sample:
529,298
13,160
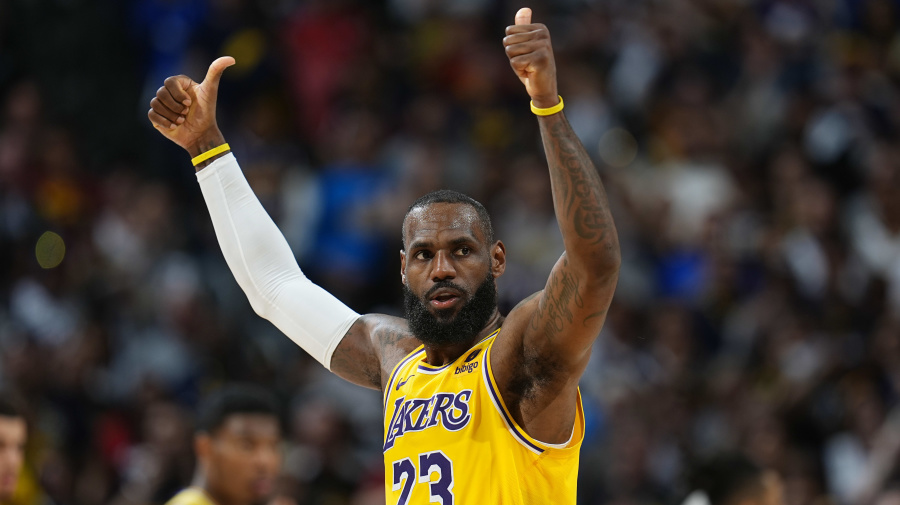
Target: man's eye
423,255
463,251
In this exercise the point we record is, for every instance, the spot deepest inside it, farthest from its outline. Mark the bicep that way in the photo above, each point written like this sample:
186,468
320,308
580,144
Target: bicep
371,348
355,359
568,314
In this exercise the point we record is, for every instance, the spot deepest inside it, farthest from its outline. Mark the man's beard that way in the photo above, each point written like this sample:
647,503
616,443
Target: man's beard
444,328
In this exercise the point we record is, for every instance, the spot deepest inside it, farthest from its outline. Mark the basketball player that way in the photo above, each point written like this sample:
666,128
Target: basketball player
237,446
13,433
732,479
478,408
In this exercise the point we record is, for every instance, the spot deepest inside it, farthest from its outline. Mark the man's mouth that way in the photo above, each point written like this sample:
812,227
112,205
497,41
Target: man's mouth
8,481
444,298
263,486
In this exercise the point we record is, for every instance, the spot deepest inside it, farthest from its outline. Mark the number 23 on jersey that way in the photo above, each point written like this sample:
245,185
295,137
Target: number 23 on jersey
434,463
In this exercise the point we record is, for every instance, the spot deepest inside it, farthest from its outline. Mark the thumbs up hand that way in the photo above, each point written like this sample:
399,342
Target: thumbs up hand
184,111
531,57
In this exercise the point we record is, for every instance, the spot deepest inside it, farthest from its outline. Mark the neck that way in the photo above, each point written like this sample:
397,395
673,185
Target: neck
215,497
440,355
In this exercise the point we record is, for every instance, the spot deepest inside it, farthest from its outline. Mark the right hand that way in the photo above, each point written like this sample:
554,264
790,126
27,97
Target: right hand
531,56
185,111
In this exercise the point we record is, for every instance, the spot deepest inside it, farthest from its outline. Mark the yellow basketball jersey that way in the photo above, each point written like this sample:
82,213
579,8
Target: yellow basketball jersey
191,496
449,439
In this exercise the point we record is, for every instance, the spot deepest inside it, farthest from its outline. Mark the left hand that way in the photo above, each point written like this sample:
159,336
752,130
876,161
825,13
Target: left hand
531,56
184,111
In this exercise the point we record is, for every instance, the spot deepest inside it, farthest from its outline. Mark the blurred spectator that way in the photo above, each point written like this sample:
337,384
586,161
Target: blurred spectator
13,432
237,442
730,479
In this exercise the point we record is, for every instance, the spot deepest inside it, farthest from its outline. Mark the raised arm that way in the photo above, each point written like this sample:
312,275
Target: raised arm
557,327
351,346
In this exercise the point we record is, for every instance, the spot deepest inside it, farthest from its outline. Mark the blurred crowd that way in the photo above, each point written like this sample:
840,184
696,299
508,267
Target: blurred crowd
748,147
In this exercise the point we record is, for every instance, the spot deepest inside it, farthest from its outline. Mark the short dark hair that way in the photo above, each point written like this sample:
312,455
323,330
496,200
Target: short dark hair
726,477
451,196
9,407
233,399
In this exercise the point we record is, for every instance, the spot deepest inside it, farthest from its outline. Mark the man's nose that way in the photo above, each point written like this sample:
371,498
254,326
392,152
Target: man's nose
10,457
442,267
268,458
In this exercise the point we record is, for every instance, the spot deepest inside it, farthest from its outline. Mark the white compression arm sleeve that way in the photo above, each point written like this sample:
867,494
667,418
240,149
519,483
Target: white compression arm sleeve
265,268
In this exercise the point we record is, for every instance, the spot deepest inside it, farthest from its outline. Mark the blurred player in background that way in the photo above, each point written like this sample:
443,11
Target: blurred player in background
13,434
732,479
237,443
478,408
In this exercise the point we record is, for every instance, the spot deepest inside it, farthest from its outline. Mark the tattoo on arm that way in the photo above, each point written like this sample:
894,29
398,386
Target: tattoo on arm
370,349
355,361
561,295
599,313
387,338
579,289
578,192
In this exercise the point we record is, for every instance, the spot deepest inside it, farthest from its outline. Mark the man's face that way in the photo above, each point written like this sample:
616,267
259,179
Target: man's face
243,458
12,453
448,271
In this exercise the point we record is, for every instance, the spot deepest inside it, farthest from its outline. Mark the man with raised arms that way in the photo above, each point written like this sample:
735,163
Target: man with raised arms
478,408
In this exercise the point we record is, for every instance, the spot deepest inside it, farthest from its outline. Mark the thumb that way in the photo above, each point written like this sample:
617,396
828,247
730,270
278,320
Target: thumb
523,16
215,71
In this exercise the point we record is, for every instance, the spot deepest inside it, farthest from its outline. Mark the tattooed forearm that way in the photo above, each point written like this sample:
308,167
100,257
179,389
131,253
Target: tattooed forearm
572,307
578,195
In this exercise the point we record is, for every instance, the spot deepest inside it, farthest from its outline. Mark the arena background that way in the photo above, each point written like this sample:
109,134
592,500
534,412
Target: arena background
749,149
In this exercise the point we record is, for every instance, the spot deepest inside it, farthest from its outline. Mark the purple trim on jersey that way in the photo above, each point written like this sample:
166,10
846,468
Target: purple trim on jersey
427,369
498,402
390,384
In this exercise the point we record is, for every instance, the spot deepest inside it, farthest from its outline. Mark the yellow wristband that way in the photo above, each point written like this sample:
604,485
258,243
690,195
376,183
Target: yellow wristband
200,158
549,110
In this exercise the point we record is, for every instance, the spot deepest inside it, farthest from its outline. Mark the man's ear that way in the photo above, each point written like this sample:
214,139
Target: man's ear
403,267
498,259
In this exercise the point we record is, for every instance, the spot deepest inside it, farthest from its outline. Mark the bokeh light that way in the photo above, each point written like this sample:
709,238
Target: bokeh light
50,250
618,147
